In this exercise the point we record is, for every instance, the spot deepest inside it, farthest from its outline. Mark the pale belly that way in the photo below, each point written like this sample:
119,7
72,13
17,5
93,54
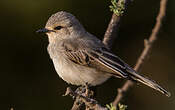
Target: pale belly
76,74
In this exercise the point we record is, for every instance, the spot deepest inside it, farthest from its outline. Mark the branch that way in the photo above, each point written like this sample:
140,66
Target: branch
148,45
91,104
113,27
84,91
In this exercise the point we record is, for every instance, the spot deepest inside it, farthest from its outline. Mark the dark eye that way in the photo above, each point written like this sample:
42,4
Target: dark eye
58,27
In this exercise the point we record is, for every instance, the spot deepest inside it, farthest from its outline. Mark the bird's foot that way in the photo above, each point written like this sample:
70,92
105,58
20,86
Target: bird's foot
85,90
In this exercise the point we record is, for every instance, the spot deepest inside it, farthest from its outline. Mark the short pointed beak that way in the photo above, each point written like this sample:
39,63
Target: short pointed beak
43,30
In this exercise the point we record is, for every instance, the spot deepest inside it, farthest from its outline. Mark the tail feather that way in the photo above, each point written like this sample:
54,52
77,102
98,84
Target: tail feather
144,80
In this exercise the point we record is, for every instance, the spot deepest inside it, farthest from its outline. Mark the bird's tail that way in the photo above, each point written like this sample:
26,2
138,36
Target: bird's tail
144,80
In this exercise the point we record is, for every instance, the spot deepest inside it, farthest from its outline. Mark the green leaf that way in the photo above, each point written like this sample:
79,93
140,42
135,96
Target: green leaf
122,107
117,7
111,107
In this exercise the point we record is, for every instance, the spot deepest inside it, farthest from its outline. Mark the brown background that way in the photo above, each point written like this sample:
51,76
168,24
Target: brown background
28,80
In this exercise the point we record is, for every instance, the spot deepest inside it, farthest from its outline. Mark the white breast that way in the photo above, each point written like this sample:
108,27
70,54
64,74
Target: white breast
77,74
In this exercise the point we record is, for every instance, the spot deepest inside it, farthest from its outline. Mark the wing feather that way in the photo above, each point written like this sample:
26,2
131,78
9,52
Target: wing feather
101,56
109,60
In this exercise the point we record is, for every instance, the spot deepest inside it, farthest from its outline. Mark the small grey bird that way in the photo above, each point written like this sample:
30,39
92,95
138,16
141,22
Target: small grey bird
80,58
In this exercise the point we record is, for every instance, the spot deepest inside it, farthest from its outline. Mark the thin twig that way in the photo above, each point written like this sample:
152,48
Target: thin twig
76,106
148,45
113,26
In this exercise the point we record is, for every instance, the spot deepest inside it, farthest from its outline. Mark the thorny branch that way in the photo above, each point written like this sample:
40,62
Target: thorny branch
110,35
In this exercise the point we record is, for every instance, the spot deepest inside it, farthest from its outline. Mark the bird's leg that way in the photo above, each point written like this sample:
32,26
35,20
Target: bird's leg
87,89
84,90
80,90
88,93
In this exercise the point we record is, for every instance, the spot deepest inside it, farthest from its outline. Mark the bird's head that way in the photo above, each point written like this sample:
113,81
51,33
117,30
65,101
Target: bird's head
62,25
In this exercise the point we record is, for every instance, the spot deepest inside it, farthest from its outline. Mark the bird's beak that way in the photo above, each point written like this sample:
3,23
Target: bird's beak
43,30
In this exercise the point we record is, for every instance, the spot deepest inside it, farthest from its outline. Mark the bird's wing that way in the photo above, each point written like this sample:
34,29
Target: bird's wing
108,60
100,58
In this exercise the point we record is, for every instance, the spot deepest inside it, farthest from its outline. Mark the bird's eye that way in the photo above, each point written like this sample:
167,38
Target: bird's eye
58,27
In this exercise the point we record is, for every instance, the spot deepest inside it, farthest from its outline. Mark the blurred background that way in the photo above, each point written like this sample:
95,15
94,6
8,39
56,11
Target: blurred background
28,80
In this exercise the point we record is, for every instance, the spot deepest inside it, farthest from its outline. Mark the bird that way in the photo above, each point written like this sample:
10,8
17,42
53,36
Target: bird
80,58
